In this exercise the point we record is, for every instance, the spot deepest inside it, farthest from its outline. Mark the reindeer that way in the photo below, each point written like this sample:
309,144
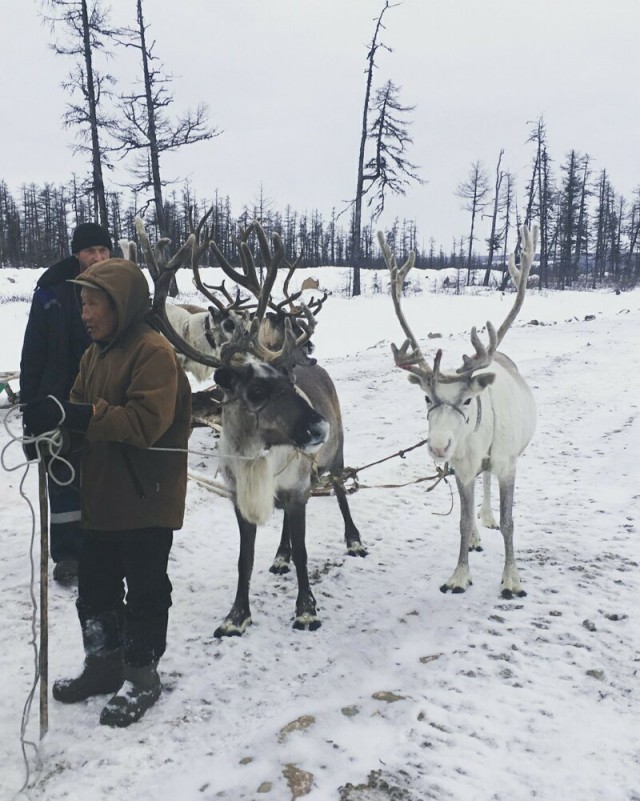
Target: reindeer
480,419
280,426
205,329
223,319
308,373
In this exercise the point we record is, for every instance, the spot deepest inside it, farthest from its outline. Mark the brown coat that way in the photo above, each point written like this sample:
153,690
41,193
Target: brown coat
142,399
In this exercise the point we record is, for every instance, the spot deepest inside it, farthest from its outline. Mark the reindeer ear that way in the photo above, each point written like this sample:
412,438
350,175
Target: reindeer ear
480,382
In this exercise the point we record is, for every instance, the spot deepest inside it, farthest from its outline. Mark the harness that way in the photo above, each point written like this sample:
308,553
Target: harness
459,410
208,334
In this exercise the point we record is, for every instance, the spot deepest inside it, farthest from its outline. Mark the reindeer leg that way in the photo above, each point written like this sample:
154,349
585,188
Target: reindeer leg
351,533
510,579
461,576
282,558
485,514
306,616
240,615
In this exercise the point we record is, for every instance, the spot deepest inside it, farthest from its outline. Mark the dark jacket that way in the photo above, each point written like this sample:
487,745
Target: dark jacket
142,398
55,337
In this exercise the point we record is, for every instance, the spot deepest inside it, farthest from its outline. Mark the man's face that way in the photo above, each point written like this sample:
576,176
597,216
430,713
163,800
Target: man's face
92,255
98,315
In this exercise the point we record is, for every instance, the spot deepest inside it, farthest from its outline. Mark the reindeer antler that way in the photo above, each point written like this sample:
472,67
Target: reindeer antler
484,355
162,274
413,360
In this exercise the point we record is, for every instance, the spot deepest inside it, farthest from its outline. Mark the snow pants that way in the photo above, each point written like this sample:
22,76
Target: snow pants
124,589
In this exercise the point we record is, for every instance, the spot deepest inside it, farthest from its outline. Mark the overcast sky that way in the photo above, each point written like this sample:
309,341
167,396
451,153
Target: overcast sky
284,80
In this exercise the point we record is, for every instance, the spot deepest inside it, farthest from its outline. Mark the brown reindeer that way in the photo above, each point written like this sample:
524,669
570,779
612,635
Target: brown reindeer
281,426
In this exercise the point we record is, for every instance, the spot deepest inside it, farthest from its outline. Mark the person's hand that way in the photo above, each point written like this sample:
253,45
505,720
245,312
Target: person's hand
46,414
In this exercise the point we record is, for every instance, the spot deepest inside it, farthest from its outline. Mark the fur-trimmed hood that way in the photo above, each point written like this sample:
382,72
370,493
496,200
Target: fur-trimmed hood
125,284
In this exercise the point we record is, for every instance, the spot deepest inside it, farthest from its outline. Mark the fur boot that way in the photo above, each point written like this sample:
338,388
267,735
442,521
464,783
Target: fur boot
101,674
140,691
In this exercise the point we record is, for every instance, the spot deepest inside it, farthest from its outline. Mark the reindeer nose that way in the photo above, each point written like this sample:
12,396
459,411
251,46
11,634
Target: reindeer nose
311,432
439,452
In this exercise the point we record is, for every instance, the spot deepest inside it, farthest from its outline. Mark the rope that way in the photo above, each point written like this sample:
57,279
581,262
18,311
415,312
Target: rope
400,453
25,743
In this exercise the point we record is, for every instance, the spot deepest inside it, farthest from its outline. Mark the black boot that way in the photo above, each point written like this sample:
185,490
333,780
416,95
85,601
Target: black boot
140,691
101,674
103,670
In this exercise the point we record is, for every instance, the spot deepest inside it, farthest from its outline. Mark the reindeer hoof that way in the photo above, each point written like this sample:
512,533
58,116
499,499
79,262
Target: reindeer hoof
279,567
455,590
306,623
356,549
229,629
510,594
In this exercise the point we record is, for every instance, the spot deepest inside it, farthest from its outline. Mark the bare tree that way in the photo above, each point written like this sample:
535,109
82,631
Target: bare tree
508,203
540,195
147,130
602,224
582,228
474,191
569,203
88,31
356,223
493,241
633,232
388,169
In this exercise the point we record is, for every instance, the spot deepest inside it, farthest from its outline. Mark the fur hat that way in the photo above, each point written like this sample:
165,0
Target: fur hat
90,235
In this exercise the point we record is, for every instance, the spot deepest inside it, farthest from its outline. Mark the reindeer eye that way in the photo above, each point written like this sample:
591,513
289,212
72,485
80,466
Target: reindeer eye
468,401
258,392
228,325
428,400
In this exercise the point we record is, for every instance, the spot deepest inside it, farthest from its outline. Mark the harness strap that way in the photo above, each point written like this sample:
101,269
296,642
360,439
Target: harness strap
459,410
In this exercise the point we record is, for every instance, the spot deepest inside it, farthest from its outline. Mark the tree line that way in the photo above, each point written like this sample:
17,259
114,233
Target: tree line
589,235
35,226
588,232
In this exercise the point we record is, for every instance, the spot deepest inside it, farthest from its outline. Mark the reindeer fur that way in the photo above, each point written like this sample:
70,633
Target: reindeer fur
200,328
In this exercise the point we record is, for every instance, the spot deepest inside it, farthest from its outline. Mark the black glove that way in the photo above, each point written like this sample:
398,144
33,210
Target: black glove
45,414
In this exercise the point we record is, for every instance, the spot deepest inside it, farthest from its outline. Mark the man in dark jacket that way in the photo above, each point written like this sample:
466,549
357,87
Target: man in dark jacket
132,401
54,341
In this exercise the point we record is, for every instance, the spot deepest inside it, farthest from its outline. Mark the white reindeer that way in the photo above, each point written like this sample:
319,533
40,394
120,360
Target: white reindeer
206,329
480,419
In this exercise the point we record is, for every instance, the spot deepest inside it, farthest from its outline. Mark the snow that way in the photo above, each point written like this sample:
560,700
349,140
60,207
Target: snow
404,692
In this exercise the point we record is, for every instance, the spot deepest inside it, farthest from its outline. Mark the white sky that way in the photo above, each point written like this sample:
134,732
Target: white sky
284,79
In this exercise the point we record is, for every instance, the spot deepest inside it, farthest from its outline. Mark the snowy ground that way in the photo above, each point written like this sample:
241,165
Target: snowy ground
404,693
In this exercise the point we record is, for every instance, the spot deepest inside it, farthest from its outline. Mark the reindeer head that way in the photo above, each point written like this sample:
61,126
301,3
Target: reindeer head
263,409
257,379
454,405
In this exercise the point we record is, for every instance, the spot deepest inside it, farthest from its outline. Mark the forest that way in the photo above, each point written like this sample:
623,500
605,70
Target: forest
588,232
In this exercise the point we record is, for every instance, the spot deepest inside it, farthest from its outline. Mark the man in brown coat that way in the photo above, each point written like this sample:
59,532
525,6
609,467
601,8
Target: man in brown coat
132,402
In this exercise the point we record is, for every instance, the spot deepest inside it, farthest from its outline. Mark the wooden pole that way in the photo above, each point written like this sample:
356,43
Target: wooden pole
44,598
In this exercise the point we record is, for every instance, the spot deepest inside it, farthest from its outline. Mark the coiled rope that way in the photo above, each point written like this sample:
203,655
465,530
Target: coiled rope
46,445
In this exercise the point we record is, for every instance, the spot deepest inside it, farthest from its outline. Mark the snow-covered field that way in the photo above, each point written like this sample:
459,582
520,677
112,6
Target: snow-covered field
404,693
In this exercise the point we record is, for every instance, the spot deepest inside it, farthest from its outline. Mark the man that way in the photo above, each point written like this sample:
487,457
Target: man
132,401
54,341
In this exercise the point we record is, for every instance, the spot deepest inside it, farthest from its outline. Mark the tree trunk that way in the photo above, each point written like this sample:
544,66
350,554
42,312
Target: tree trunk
494,220
99,195
356,223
